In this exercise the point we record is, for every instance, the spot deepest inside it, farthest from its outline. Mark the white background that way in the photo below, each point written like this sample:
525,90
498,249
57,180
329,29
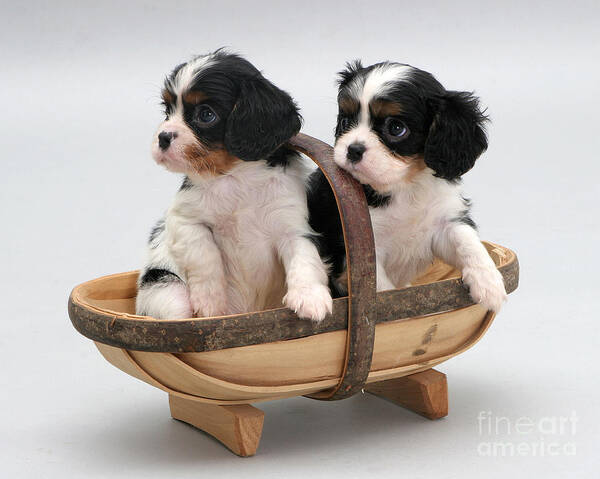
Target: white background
79,95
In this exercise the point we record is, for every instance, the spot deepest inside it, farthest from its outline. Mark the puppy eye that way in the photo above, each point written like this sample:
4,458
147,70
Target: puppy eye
206,114
344,123
166,108
395,128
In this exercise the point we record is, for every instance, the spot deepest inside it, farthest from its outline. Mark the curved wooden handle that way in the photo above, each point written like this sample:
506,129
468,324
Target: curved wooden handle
360,259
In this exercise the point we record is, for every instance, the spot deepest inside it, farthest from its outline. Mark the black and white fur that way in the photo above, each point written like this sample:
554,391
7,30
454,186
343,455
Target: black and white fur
408,141
237,231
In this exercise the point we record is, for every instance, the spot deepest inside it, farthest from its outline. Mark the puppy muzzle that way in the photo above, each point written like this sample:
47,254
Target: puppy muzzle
165,138
355,152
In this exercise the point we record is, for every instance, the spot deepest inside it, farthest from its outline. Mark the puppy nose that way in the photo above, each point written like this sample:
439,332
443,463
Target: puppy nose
355,152
165,138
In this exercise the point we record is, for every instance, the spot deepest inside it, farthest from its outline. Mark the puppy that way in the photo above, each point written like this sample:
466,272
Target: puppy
237,231
408,140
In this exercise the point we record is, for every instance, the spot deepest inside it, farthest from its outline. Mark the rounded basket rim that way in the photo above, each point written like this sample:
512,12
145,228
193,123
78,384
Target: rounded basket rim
143,333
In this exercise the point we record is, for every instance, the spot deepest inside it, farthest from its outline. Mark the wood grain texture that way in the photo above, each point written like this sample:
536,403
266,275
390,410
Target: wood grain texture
425,393
226,380
238,427
123,360
296,361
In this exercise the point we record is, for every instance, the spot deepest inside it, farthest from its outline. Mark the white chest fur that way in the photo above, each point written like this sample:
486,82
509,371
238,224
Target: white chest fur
405,229
247,213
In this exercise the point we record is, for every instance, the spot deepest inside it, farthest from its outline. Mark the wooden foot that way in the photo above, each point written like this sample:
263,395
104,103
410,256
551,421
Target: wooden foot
425,393
237,427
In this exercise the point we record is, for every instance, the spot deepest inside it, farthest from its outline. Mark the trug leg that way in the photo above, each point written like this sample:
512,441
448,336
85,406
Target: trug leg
425,393
238,427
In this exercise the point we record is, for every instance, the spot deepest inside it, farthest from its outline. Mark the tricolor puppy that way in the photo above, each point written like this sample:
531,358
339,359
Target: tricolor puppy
237,231
408,140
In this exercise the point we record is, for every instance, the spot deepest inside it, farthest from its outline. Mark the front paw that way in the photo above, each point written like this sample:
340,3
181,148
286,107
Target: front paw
313,302
209,303
486,286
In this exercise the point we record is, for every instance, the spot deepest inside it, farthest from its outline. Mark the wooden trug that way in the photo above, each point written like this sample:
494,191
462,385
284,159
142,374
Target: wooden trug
213,368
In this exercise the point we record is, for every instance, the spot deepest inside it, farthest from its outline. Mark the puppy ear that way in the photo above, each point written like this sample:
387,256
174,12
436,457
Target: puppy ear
263,118
457,134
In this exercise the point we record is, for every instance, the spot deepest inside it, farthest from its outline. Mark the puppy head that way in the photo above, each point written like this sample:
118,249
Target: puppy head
395,121
219,111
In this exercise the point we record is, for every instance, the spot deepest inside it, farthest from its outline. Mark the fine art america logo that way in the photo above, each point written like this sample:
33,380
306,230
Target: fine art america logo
501,436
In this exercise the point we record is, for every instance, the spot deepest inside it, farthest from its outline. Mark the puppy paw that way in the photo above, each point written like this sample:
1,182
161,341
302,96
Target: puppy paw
312,302
486,286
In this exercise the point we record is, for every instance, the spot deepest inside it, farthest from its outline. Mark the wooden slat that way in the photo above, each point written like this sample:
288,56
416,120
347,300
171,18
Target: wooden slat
318,357
207,384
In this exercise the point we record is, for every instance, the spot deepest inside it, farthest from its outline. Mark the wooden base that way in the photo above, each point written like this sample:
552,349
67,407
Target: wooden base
425,393
237,427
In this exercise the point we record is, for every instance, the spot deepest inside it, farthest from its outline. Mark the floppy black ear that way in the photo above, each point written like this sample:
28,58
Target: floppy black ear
457,134
263,118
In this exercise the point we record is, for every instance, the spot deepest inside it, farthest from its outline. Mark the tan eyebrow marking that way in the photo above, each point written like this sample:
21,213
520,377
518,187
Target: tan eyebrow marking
348,106
167,97
194,97
384,108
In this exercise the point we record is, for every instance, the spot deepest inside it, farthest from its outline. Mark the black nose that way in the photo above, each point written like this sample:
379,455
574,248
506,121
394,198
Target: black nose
165,138
355,152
